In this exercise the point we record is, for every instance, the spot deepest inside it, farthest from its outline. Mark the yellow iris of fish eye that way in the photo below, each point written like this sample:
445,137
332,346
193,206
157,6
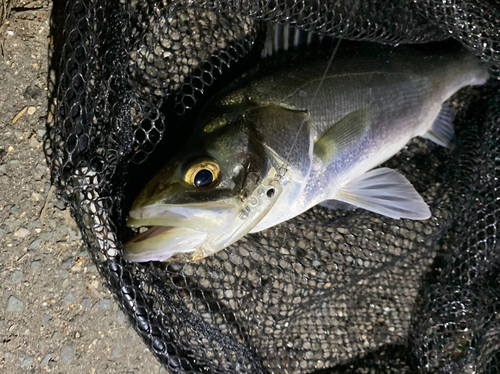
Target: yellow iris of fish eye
200,165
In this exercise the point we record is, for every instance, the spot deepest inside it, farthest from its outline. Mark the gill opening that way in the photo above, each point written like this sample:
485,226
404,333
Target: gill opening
283,168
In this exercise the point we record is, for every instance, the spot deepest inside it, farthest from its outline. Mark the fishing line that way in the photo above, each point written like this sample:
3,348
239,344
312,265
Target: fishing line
327,69
282,169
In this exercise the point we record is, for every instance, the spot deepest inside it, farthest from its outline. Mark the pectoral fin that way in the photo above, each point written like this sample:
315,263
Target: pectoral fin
342,135
385,191
442,131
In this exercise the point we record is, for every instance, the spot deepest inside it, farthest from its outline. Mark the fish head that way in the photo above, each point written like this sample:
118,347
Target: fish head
210,195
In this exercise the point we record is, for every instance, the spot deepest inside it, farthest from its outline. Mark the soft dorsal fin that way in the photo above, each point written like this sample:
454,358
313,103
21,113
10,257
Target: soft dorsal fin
442,131
342,135
384,191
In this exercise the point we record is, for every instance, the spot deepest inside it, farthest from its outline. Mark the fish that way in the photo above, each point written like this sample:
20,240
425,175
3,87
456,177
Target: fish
279,142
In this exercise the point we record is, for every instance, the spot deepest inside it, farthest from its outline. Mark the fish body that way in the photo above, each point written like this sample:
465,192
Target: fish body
278,143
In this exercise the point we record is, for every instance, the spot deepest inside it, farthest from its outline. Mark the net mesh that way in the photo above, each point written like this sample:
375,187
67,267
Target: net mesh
328,291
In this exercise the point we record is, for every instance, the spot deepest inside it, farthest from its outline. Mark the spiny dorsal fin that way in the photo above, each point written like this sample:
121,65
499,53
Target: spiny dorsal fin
282,37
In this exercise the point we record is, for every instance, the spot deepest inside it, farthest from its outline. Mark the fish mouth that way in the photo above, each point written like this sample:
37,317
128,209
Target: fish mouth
215,217
175,229
160,243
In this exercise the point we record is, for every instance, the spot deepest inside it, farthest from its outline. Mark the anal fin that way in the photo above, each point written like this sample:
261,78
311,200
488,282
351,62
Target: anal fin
385,191
442,131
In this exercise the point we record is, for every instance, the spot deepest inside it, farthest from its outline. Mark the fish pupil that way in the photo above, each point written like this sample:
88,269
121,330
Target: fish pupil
203,178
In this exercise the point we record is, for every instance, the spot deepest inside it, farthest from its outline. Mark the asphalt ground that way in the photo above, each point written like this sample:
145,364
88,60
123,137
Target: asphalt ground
55,314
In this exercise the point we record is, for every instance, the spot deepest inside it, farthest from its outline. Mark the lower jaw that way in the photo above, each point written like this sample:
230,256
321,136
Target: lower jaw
160,243
151,232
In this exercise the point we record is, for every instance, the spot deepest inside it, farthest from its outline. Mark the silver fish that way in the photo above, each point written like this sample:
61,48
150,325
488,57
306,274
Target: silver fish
284,141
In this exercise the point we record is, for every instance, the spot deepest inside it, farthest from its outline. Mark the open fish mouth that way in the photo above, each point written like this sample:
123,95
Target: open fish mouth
159,243
176,229
205,217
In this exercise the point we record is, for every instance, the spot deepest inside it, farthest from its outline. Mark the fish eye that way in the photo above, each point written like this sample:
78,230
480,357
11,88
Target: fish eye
202,173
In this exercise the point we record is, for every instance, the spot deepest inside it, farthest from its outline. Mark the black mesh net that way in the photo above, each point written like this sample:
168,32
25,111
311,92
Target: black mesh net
328,291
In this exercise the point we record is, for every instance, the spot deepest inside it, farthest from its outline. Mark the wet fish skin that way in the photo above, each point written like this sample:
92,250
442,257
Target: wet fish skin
341,125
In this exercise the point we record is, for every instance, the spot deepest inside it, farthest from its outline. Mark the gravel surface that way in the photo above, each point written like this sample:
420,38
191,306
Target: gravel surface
55,314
